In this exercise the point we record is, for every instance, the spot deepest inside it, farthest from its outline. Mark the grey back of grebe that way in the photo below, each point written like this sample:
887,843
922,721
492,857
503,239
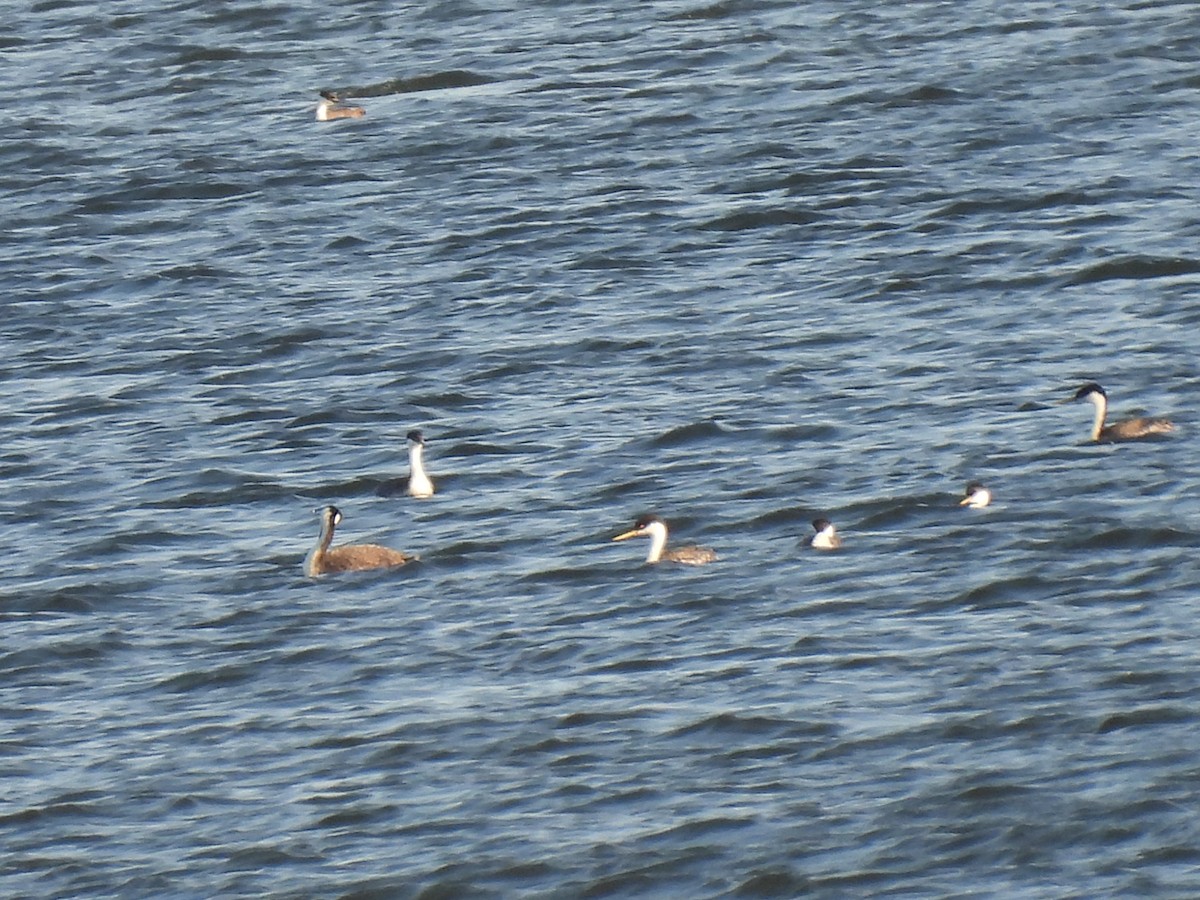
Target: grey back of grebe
1123,429
324,560
653,527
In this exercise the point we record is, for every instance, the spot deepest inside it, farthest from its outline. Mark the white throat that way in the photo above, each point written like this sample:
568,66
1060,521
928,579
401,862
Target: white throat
1101,404
658,541
419,484
826,538
323,110
980,497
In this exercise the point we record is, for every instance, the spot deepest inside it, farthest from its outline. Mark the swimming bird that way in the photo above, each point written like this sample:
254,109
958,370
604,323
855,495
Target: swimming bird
976,497
1123,430
656,529
323,559
419,483
826,537
330,108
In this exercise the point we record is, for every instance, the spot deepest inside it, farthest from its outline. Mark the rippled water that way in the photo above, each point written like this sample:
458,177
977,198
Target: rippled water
741,264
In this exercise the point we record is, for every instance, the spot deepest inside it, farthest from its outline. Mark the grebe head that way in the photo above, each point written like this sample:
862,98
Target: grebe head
653,527
1088,390
649,524
644,525
416,437
330,96
821,524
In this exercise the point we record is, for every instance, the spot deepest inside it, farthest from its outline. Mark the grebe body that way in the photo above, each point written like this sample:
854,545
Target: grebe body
656,529
1124,429
323,559
330,108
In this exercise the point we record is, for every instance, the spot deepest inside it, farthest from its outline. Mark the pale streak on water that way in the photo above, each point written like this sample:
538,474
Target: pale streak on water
741,264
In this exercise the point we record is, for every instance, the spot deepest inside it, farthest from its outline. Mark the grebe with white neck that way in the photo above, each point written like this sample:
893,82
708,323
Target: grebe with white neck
826,537
976,497
1122,430
420,485
323,559
653,527
330,108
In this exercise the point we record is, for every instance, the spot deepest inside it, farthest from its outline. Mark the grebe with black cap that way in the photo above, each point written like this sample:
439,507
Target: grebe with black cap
330,107
1122,430
976,497
653,527
323,559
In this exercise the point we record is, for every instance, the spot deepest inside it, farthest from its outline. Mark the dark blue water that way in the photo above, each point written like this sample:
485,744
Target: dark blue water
741,264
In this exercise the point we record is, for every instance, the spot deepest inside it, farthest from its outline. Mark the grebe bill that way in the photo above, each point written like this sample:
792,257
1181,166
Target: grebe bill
826,537
323,559
976,497
656,529
1122,430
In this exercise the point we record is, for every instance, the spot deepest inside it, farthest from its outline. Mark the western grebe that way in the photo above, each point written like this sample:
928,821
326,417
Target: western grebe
419,483
976,497
330,108
323,559
656,529
1125,429
826,537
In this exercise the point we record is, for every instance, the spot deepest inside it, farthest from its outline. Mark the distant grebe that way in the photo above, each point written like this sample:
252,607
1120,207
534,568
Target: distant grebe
977,496
323,559
1123,430
419,483
826,537
656,529
330,108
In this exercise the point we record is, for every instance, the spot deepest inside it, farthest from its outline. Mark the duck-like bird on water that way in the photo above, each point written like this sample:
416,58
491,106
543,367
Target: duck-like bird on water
653,527
826,537
976,497
1123,430
330,107
323,559
417,482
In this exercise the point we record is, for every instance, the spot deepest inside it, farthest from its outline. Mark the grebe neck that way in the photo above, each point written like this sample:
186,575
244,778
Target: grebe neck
658,541
419,484
329,520
1101,404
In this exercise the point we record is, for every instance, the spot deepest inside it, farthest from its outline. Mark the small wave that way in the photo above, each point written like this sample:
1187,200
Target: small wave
1132,538
197,679
928,93
1148,716
1136,268
454,78
683,435
721,10
769,217
1004,593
